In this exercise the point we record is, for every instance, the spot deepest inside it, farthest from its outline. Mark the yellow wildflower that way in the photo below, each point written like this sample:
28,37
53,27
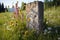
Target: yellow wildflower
11,23
26,32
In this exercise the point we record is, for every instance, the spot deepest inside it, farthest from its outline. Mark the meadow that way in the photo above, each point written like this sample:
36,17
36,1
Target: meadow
52,16
12,28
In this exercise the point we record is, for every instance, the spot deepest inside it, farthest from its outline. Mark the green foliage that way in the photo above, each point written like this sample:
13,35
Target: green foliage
23,6
51,3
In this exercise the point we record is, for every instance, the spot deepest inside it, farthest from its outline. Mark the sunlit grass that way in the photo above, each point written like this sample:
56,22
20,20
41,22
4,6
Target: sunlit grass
15,28
53,16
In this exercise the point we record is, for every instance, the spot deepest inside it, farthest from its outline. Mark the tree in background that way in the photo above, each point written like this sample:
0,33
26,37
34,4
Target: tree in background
50,3
2,7
6,9
23,6
56,2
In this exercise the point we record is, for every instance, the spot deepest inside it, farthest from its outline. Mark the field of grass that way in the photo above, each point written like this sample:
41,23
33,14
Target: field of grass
12,28
4,17
52,16
15,29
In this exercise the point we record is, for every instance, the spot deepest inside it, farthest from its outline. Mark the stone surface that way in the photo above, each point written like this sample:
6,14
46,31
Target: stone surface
35,15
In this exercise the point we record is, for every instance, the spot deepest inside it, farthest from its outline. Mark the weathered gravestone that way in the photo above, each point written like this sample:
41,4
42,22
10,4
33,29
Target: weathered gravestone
35,15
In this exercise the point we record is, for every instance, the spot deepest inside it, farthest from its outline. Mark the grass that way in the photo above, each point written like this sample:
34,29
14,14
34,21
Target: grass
4,17
52,16
11,26
15,29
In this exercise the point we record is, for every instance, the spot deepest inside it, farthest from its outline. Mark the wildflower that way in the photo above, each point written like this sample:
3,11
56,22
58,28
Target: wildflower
11,23
9,28
26,32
